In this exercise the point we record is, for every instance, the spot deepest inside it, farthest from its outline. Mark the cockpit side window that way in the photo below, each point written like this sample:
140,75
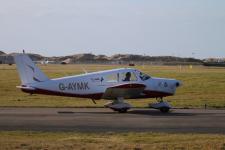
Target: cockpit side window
128,76
112,77
144,76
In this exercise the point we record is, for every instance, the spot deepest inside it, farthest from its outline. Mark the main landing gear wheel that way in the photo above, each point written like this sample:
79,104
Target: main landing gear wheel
118,105
164,109
122,110
163,106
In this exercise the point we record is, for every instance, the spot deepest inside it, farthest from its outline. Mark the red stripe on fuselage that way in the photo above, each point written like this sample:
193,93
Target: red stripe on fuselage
155,94
48,92
128,86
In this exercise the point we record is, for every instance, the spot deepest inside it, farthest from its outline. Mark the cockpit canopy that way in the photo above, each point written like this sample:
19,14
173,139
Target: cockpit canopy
127,76
133,75
144,76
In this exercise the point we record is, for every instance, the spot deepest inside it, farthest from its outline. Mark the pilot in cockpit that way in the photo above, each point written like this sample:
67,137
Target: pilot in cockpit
127,77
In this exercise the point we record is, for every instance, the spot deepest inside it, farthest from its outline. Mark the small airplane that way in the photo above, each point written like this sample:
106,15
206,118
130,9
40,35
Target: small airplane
115,85
44,62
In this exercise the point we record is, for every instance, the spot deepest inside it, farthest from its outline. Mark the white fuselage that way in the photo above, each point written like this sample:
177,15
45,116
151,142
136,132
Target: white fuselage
94,85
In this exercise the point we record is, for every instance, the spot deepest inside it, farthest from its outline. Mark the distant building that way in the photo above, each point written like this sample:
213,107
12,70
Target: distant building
218,62
6,59
67,61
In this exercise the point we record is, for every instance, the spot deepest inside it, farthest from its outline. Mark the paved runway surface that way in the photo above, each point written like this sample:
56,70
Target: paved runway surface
102,119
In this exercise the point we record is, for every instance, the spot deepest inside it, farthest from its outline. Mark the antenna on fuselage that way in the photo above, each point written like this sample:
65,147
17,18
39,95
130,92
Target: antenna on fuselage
84,70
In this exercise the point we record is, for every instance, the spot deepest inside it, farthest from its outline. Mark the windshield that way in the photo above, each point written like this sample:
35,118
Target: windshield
144,76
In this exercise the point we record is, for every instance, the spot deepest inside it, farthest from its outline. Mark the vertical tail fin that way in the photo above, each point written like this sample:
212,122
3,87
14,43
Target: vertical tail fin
28,71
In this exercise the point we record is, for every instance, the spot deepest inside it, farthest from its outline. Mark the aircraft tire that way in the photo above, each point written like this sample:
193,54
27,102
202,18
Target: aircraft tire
164,109
124,110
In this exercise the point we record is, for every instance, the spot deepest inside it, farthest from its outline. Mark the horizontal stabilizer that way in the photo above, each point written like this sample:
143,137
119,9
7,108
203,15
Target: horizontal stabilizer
26,88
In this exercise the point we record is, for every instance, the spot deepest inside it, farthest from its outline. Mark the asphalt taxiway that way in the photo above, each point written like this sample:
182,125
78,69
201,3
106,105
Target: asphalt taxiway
105,120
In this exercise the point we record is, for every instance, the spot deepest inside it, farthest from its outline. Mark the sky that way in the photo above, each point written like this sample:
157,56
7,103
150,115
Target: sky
184,28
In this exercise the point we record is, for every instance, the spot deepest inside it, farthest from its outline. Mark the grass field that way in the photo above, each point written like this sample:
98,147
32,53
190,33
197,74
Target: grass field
126,141
201,85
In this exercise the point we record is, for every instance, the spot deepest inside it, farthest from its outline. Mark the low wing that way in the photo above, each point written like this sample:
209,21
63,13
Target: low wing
131,90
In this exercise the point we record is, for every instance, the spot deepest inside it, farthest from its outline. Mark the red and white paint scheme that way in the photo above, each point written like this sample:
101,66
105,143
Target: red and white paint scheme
115,85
